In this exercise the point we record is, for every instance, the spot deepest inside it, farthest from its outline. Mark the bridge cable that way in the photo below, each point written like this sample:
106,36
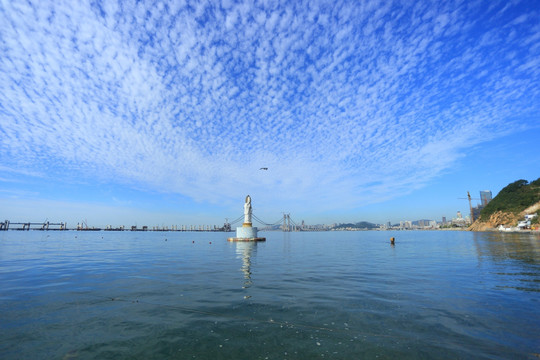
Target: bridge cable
264,222
236,220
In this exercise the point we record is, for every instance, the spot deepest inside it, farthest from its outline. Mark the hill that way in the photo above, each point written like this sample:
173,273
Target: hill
363,225
510,205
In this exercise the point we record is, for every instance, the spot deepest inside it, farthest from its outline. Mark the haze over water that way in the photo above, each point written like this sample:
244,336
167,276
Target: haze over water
338,295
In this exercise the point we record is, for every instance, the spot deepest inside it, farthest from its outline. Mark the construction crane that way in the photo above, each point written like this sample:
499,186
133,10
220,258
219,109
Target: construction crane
470,204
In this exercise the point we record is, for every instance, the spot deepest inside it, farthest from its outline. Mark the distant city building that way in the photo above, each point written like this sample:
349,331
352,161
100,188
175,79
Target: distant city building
485,197
476,211
444,220
459,221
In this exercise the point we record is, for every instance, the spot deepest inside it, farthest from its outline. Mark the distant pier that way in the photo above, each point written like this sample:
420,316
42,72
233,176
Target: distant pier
46,226
49,226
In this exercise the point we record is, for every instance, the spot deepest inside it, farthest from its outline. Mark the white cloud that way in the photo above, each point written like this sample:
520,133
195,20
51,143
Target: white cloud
194,99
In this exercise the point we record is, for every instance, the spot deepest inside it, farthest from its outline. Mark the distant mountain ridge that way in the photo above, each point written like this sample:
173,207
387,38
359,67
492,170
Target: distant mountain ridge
510,205
359,225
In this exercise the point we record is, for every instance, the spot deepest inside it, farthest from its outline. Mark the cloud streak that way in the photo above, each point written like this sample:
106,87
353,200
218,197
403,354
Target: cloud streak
346,103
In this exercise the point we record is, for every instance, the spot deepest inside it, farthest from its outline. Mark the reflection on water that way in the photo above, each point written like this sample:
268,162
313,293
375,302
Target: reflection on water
502,246
512,257
244,250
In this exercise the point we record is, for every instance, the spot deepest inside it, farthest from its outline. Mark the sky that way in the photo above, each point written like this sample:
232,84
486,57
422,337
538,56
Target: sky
160,113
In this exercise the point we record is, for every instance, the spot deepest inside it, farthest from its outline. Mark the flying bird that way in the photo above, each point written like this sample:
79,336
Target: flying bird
263,169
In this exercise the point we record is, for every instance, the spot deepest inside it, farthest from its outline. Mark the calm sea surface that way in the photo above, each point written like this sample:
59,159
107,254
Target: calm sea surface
334,295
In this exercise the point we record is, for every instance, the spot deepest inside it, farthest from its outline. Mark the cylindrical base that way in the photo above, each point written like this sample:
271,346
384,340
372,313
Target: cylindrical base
246,232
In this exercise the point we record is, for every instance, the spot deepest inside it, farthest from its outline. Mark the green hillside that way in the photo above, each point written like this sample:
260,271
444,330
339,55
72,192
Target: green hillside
359,225
514,198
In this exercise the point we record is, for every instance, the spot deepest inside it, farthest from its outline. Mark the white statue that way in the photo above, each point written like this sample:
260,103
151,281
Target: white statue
247,210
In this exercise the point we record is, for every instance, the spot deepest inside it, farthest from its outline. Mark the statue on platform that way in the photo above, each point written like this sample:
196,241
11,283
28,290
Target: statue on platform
247,211
247,232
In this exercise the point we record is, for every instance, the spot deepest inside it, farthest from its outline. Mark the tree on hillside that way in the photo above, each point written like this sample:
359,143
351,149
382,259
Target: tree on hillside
513,198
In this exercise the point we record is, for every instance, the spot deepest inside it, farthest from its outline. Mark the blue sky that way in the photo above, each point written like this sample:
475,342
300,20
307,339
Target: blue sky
160,113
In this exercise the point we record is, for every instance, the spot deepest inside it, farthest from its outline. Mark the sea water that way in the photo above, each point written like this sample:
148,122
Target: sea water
300,295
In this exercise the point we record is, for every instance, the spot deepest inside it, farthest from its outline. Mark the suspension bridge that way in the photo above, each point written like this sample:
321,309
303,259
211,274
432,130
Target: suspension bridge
285,223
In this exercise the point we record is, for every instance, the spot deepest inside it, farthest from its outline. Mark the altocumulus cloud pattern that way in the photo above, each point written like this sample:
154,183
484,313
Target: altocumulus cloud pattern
334,97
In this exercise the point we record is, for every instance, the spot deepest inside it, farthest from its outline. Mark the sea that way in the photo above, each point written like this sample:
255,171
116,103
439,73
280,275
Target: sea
298,295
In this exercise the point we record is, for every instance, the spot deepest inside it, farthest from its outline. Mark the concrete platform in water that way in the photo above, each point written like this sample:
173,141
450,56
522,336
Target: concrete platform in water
246,239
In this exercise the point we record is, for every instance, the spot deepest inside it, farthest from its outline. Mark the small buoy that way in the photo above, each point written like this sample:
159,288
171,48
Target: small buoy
210,242
193,241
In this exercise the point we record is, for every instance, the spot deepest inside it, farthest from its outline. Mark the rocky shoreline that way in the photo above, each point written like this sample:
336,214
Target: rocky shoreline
507,220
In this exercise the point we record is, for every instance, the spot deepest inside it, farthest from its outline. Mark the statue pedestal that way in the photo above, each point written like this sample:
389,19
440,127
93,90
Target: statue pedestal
246,233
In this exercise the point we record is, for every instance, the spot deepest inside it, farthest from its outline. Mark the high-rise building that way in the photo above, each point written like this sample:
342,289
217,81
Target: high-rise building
476,211
485,197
